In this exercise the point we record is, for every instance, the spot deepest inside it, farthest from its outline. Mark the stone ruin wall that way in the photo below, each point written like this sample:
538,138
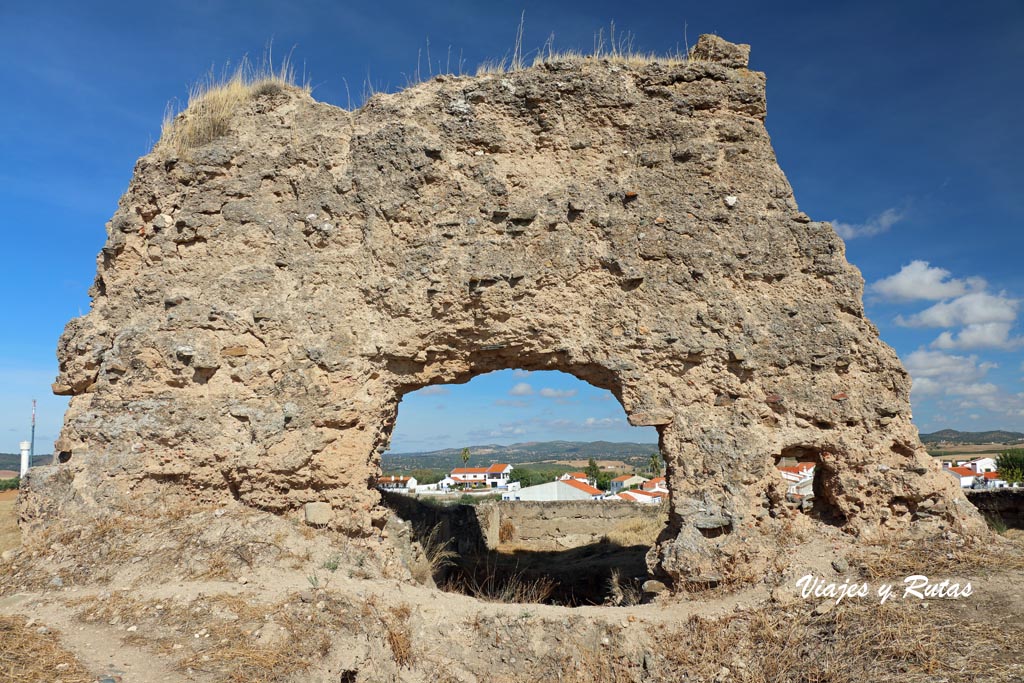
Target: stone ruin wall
263,303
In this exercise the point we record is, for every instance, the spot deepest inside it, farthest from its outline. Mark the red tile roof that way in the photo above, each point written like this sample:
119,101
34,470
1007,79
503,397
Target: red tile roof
652,494
469,470
625,477
963,471
389,478
496,468
991,475
798,468
586,488
648,485
577,475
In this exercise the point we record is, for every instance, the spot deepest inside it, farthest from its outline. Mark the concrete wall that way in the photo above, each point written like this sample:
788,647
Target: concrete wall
548,525
554,525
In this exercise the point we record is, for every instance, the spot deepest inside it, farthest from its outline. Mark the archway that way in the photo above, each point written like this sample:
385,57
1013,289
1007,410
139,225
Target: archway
527,487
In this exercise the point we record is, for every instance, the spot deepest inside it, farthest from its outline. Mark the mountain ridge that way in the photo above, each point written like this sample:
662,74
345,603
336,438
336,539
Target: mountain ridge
1000,436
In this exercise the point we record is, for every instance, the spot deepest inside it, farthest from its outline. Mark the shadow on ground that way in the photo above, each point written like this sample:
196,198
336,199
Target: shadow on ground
593,574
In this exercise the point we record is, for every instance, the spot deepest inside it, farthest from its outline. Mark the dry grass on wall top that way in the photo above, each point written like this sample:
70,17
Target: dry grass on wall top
214,100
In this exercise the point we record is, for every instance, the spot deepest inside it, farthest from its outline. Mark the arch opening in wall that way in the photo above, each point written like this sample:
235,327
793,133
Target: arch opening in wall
559,500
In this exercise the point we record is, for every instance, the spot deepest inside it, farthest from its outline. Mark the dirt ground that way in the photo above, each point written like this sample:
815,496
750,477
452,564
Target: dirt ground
229,595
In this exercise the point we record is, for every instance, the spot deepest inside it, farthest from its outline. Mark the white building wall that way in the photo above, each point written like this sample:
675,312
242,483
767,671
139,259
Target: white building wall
552,490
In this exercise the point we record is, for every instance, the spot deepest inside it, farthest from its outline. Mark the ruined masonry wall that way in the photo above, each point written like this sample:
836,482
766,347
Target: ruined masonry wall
263,303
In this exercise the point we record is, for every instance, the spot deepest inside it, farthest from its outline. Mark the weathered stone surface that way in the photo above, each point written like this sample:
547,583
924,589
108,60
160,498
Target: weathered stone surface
318,514
261,307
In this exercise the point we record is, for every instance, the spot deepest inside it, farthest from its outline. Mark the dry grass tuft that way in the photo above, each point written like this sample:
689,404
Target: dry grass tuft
638,531
613,48
506,531
438,550
485,581
214,100
399,635
27,655
623,592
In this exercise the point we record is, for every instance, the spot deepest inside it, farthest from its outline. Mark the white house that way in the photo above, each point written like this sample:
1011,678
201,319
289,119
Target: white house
964,475
641,496
394,482
656,484
982,465
495,476
799,478
626,481
575,476
560,489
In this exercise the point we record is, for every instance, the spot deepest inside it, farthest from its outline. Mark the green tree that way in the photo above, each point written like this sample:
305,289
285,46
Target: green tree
654,464
427,476
465,456
593,471
1010,464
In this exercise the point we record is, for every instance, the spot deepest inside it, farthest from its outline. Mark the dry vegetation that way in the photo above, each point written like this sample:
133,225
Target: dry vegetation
851,643
30,656
170,541
229,638
638,531
215,99
611,47
485,580
888,558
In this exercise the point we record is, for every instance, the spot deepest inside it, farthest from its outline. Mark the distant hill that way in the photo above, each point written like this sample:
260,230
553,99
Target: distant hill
953,436
521,453
12,461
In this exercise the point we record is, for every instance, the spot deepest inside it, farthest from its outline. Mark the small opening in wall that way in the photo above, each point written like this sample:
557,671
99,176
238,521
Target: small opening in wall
808,478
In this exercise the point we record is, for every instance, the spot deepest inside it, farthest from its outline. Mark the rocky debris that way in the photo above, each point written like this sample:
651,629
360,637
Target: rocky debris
264,301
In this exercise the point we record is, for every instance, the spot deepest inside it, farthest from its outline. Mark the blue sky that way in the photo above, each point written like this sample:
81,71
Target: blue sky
898,120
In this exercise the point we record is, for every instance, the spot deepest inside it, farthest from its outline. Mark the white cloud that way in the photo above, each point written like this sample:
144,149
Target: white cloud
986,319
985,389
918,280
521,389
557,393
520,373
434,391
603,423
938,373
875,226
982,336
976,308
511,403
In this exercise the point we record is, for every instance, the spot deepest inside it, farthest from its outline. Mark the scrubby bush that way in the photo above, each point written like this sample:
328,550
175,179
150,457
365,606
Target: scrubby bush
1010,464
8,484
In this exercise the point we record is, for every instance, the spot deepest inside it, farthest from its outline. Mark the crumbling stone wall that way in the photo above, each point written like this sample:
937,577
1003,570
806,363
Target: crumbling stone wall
263,303
558,525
